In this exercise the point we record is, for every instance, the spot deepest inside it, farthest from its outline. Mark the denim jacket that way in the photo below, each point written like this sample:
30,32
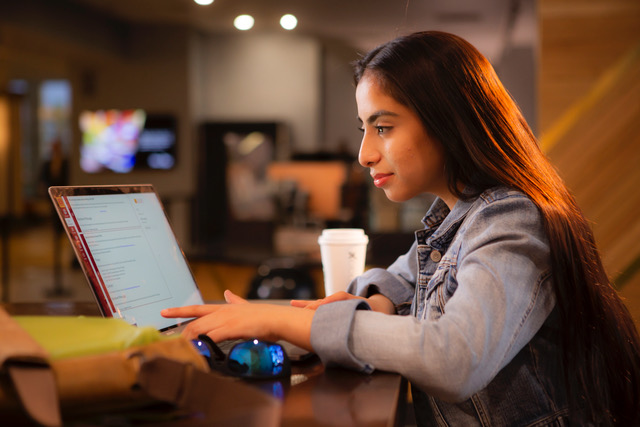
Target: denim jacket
476,330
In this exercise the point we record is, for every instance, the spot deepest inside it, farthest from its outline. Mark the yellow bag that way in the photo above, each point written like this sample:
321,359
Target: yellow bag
67,367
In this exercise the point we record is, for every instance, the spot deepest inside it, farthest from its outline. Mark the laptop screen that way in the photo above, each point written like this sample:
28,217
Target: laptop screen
128,251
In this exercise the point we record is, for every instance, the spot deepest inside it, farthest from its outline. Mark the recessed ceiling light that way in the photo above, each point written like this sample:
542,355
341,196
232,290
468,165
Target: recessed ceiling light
203,2
243,22
288,21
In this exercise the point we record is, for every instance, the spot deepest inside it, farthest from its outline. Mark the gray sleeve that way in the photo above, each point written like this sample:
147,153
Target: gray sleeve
504,294
396,282
331,331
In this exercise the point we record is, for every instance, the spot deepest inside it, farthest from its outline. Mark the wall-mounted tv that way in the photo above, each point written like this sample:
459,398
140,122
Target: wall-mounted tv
125,140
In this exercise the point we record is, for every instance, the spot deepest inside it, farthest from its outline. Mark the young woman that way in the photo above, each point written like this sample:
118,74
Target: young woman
501,312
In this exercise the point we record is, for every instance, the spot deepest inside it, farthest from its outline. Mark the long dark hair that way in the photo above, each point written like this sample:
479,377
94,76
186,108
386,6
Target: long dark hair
456,93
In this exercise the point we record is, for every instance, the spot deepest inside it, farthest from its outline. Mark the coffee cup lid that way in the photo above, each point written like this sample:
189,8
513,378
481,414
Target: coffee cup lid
343,235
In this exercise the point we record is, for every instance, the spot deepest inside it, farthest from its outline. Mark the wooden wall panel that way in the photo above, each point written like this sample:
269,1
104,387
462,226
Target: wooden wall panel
579,40
589,110
599,158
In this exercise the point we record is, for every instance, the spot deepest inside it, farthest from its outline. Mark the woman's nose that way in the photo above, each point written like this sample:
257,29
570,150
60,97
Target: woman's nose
368,155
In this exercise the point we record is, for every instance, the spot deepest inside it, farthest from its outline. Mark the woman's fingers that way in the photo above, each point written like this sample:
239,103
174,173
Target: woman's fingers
232,298
231,321
238,319
202,309
189,311
312,305
302,303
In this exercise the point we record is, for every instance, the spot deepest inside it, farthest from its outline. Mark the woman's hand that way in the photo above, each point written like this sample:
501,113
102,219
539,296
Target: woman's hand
312,305
240,319
377,302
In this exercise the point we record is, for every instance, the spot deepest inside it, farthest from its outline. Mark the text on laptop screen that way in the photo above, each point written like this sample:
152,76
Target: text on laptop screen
130,255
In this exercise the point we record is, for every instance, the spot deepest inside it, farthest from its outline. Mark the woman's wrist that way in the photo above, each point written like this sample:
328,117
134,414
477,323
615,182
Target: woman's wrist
382,304
294,325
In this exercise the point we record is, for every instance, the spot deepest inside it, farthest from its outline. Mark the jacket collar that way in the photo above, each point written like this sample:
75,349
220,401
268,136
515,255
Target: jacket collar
441,223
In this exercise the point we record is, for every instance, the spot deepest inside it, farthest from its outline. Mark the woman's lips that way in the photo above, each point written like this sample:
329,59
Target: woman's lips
380,179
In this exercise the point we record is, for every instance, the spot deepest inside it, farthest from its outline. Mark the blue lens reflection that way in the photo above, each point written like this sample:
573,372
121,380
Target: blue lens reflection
277,358
202,348
257,359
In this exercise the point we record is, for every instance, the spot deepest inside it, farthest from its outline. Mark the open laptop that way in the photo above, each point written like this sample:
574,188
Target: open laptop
128,252
130,256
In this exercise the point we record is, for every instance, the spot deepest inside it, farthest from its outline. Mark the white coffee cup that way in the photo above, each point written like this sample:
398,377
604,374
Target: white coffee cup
343,252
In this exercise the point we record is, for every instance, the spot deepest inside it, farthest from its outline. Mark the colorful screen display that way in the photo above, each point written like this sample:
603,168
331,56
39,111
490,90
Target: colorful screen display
124,140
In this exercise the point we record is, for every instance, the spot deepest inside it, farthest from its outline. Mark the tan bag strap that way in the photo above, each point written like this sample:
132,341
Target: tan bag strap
27,364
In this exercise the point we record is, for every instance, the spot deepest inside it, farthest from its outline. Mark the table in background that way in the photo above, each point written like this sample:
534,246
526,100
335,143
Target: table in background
316,396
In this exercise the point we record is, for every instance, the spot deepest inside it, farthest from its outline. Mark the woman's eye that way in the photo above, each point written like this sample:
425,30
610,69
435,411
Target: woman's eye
379,129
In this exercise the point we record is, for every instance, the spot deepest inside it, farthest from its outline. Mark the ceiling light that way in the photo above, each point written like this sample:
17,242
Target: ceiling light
203,2
243,22
288,21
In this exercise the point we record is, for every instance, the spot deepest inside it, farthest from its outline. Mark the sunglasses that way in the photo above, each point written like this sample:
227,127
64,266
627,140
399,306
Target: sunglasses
251,359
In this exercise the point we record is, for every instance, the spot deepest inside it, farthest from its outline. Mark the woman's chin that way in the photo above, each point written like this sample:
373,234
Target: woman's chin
395,197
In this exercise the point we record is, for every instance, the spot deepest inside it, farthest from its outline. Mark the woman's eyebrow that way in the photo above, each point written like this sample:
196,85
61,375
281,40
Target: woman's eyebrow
375,116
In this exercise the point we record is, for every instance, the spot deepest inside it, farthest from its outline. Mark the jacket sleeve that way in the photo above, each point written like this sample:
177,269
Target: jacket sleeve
396,282
504,295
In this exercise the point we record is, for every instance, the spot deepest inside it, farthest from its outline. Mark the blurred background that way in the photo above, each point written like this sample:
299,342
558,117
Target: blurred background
250,135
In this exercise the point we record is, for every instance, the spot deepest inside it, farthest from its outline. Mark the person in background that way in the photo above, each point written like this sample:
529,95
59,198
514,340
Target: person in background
501,312
54,172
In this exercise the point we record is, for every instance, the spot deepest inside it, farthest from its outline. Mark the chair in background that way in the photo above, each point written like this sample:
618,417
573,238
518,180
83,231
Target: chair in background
282,278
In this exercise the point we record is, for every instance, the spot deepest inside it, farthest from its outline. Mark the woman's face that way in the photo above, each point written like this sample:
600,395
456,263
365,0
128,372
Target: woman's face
402,158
